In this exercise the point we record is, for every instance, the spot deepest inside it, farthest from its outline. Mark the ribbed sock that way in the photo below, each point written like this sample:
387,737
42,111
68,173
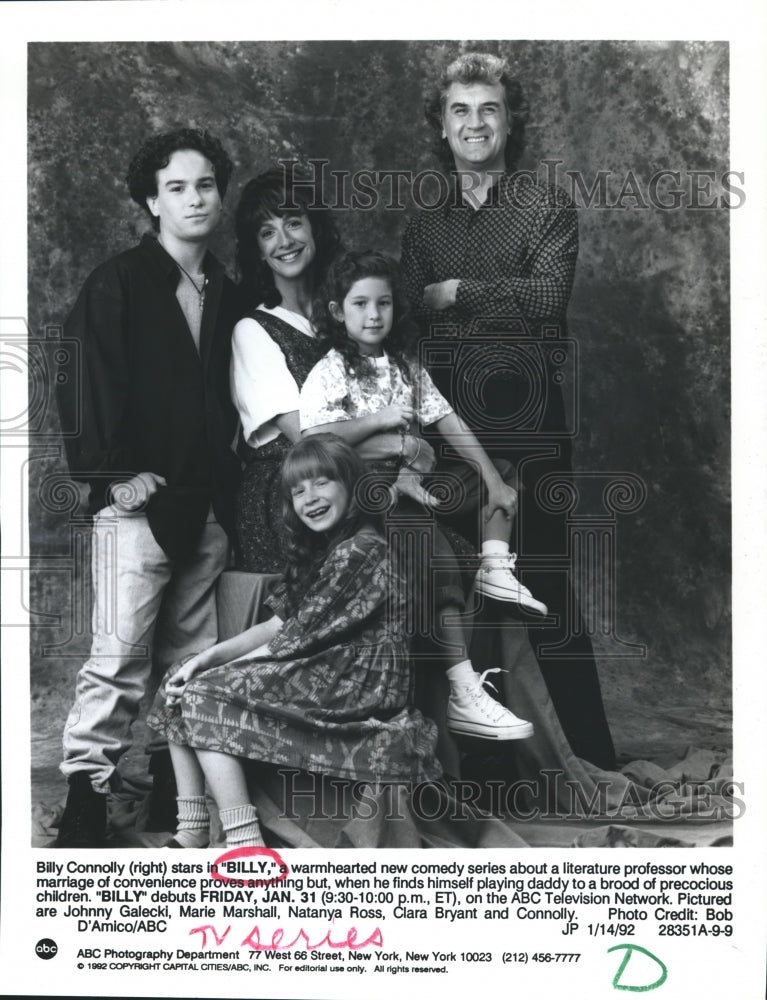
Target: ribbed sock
461,674
193,826
494,547
241,827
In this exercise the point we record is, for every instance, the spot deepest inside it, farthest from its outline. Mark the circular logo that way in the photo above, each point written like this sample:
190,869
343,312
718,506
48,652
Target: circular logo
46,948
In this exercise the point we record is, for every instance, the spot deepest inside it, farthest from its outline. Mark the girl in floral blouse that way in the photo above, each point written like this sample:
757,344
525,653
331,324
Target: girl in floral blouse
370,382
323,685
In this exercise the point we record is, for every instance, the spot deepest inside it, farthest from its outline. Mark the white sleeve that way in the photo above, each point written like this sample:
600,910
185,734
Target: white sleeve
325,393
262,387
431,405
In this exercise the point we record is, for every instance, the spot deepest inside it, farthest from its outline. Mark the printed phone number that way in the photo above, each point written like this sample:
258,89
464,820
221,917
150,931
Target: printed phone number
541,956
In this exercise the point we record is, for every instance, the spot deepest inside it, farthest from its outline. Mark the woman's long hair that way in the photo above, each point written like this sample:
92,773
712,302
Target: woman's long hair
329,456
348,268
279,192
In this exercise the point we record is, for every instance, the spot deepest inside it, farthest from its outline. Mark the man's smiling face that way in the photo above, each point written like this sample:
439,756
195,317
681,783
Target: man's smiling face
475,123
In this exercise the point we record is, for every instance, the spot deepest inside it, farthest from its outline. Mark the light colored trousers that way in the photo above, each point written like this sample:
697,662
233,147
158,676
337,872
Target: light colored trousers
148,610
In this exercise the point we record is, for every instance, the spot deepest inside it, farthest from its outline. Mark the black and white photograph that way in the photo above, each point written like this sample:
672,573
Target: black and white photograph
561,334
375,477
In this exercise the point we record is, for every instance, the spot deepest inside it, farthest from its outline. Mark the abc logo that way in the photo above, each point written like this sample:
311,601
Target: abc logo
46,948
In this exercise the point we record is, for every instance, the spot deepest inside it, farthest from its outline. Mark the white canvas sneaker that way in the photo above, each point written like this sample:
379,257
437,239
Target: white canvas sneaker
495,578
472,712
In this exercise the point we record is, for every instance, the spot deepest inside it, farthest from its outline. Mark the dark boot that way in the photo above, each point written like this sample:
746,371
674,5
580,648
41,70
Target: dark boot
161,812
84,823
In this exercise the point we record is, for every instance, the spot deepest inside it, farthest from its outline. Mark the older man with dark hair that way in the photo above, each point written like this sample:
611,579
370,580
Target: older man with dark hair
489,275
154,325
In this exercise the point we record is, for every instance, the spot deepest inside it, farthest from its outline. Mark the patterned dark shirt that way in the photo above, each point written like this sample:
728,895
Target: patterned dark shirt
514,255
515,259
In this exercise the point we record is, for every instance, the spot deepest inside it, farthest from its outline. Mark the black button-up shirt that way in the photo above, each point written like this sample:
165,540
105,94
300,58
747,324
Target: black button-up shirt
147,400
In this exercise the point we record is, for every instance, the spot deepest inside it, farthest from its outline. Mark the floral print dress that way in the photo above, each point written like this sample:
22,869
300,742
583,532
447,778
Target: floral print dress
332,694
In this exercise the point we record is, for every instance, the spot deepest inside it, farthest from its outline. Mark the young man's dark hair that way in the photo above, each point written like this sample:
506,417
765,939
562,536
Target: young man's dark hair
155,155
478,67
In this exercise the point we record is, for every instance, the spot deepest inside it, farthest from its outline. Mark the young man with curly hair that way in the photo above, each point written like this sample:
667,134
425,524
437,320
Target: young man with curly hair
156,422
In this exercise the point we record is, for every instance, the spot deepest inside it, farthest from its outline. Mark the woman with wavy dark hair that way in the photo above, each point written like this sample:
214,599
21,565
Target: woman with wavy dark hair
286,239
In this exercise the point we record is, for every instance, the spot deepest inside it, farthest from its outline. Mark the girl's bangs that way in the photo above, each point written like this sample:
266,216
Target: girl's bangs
312,465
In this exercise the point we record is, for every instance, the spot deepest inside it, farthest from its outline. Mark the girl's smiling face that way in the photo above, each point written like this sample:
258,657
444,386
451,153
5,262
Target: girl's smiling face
286,243
319,502
367,313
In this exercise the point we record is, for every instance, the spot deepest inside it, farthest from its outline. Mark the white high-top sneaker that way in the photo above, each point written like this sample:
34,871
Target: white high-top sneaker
495,578
472,712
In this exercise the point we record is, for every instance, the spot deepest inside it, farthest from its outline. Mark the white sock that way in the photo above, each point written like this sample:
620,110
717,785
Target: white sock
494,547
462,673
193,827
241,827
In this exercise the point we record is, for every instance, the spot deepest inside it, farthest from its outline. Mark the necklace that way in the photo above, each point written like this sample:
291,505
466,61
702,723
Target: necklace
200,290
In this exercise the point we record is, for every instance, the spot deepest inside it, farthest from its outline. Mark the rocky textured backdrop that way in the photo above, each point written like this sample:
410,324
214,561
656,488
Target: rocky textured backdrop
650,308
